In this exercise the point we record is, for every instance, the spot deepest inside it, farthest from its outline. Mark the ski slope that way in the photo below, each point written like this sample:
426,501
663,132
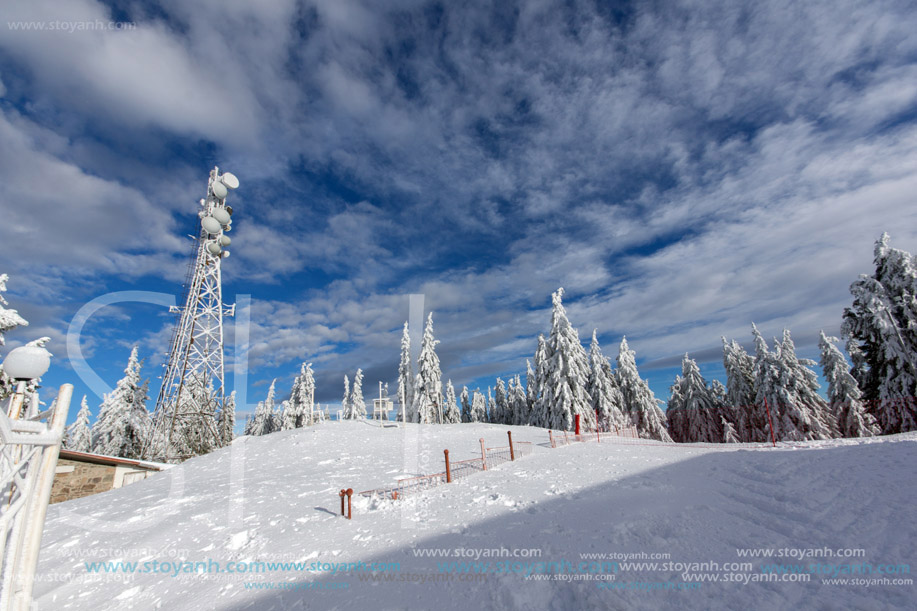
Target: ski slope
274,499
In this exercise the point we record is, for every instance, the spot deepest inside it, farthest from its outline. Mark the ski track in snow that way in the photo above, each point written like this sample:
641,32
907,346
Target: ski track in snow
698,504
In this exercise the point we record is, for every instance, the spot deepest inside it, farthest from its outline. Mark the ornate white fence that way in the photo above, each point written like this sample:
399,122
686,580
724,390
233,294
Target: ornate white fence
29,447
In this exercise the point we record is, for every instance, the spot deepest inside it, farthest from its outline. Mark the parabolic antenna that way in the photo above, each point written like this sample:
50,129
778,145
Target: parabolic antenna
214,248
211,225
229,179
224,240
221,215
219,189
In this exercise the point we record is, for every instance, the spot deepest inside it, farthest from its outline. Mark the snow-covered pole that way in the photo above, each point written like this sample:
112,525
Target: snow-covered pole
483,454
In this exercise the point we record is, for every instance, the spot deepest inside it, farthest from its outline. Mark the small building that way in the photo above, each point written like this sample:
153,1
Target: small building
81,474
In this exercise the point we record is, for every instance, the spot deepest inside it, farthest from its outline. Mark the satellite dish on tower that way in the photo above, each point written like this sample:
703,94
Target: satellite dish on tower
219,189
221,215
211,225
229,179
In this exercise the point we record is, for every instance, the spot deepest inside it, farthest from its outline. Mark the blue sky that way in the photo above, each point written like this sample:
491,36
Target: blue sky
680,168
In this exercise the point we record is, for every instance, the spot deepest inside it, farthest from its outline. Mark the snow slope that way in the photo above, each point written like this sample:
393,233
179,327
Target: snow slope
275,499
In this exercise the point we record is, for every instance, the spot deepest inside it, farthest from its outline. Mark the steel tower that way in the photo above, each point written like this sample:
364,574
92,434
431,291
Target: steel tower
188,419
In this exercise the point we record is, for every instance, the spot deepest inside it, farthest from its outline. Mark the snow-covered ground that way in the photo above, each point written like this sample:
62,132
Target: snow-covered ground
275,499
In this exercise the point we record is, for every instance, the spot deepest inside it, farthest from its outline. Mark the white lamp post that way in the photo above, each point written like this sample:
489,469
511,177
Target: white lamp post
28,458
24,364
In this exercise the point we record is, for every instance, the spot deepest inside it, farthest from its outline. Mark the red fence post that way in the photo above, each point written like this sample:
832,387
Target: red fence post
770,422
483,454
448,471
512,455
343,492
551,437
577,425
349,506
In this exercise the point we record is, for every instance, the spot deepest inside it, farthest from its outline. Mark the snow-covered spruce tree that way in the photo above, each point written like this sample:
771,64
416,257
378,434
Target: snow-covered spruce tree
478,407
490,405
740,389
520,402
430,379
9,320
697,414
264,421
639,401
406,377
357,404
499,408
466,405
79,434
566,373
675,420
226,423
300,405
788,389
844,396
607,400
537,418
123,422
530,393
451,413
345,402
881,329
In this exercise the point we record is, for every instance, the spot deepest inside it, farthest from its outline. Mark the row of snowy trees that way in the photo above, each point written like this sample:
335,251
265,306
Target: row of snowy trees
774,394
293,413
564,382
124,426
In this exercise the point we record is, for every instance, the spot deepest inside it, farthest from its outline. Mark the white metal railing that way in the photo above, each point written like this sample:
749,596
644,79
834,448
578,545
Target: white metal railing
29,447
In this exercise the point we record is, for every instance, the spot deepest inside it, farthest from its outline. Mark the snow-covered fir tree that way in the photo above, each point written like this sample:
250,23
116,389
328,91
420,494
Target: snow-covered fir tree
123,423
694,414
345,402
300,404
607,400
357,404
881,328
518,399
226,422
535,391
466,405
729,432
530,393
264,421
490,405
406,377
499,408
79,434
788,389
566,373
9,320
451,413
844,396
740,390
639,401
429,382
478,407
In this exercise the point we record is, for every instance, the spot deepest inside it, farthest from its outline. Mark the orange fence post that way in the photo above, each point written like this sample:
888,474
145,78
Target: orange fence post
483,454
343,492
448,471
349,506
512,455
551,437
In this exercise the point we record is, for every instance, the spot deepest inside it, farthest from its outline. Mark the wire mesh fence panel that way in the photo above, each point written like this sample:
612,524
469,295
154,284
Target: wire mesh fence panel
464,468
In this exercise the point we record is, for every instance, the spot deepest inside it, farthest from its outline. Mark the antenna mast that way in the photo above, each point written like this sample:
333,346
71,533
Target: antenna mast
189,409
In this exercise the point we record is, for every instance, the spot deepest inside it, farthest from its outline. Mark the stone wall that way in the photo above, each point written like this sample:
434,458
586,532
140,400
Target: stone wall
84,479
